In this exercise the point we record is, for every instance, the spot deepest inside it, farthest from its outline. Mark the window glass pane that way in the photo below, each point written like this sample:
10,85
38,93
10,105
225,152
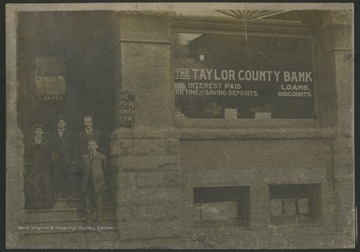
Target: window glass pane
221,203
219,210
233,76
276,207
303,206
294,203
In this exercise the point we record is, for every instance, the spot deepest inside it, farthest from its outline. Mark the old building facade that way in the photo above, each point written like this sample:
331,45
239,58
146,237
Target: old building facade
242,135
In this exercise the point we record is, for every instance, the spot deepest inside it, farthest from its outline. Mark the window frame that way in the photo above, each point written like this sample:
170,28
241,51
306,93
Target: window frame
312,192
239,192
261,28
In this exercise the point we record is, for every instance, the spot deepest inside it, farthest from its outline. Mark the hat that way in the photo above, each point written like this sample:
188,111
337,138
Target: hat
38,125
61,117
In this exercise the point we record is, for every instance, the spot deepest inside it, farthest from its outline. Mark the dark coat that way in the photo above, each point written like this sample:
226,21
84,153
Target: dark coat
62,147
99,169
38,189
37,156
83,141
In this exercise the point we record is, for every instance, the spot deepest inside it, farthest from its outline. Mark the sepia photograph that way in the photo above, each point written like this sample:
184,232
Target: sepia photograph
180,126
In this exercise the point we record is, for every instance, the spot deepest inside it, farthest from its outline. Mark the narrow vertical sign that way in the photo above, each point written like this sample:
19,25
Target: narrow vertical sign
125,109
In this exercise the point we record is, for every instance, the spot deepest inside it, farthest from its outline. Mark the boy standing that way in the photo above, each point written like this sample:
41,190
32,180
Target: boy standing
94,174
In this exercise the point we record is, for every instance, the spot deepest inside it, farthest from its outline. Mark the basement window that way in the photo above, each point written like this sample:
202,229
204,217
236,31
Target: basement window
295,203
221,204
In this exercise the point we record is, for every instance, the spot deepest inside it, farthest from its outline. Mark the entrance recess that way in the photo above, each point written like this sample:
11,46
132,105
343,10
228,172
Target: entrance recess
84,42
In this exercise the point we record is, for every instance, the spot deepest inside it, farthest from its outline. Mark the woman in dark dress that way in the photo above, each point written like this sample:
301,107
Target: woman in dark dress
39,192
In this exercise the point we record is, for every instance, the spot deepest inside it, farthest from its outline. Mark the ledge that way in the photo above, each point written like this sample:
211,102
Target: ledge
244,123
144,132
259,133
222,133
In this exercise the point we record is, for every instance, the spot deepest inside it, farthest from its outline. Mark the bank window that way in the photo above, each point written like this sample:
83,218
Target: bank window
221,204
243,77
295,203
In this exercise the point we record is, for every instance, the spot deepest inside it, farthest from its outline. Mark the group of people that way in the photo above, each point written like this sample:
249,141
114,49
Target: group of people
49,163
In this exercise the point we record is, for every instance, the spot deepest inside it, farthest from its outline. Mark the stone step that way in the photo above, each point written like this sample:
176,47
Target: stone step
69,237
33,225
67,203
36,216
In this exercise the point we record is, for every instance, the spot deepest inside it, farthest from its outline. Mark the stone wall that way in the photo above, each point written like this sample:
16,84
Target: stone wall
145,158
337,38
154,172
259,164
147,180
15,147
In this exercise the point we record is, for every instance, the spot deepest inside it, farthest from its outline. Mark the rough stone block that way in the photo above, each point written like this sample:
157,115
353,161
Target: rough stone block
343,145
150,163
147,27
201,176
145,132
149,196
195,210
121,147
158,212
275,156
150,179
346,221
151,229
172,179
344,164
149,147
296,176
146,70
126,180
172,146
345,192
125,213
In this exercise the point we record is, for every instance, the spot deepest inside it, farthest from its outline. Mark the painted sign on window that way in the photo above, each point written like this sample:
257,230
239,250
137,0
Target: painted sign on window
50,78
220,76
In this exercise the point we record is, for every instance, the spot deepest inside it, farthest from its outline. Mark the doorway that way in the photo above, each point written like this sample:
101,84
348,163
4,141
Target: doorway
85,40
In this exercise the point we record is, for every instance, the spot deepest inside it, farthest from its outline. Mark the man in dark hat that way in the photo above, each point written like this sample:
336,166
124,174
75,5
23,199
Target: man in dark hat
62,149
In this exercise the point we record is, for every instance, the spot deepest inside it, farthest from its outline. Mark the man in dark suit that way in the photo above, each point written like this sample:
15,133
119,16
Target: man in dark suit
94,180
82,142
61,149
88,133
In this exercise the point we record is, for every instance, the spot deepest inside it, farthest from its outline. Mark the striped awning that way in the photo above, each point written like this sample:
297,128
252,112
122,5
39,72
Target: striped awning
247,15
